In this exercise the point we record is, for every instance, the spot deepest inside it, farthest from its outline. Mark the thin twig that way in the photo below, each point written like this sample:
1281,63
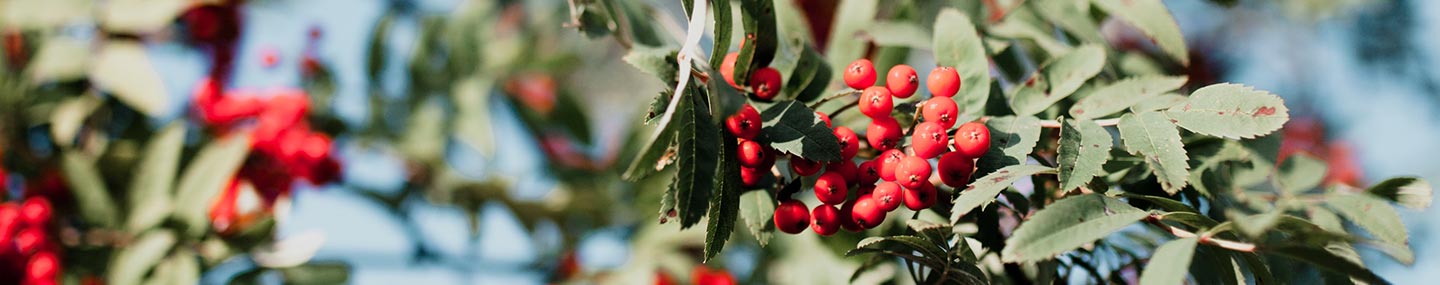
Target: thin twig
838,95
1182,233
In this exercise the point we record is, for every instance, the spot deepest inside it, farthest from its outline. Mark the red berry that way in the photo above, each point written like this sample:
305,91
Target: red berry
929,140
849,142
43,266
269,57
752,154
792,216
804,167
727,68
824,117
846,168
867,213
29,240
35,212
750,177
972,139
765,83
744,123
883,133
847,220
955,169
860,74
888,195
9,221
876,102
902,81
825,220
868,172
889,161
921,197
912,171
941,110
830,188
943,81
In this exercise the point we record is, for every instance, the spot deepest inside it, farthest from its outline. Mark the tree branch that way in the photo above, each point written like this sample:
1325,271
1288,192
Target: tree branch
1204,239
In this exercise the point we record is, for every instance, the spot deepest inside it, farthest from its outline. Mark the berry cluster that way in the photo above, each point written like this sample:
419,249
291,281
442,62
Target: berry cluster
764,82
900,174
284,147
27,253
701,275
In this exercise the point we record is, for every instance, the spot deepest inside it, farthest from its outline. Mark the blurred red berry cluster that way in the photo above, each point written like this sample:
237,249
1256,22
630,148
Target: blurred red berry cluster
28,254
1308,135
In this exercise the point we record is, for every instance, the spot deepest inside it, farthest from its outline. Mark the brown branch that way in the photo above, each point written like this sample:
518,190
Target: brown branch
1204,239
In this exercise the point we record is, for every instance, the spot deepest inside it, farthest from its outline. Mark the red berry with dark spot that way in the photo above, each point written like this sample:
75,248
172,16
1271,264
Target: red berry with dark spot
943,81
902,81
727,68
846,168
35,212
750,177
825,220
744,123
824,117
929,140
941,110
889,161
830,188
912,171
921,197
849,142
883,133
868,172
847,219
792,217
955,169
972,139
888,195
804,167
867,212
765,83
752,154
860,74
876,102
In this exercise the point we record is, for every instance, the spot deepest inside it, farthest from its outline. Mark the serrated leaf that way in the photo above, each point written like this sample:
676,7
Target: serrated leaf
698,138
1170,263
1326,260
1411,192
720,12
206,175
1021,28
91,194
984,190
958,45
135,260
1062,76
1301,172
1166,204
1161,102
1068,224
1372,214
1084,149
1154,20
899,33
758,210
1152,135
762,39
1011,139
648,161
792,128
724,100
1231,111
725,202
660,62
1122,94
123,69
151,189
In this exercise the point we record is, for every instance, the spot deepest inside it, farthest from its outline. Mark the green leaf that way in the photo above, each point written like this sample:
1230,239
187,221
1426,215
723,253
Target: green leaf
984,190
1068,224
844,46
1084,149
472,124
659,62
91,195
1158,103
792,128
1166,204
899,33
1152,135
1373,214
1301,172
1022,28
1326,260
424,138
1170,263
1011,139
1151,18
1411,192
69,116
151,189
958,45
59,59
180,268
724,24
725,204
1255,226
1071,15
122,68
1063,75
206,175
1122,94
649,161
724,100
1231,111
46,14
758,210
699,143
762,39
140,16
316,273
810,76
132,262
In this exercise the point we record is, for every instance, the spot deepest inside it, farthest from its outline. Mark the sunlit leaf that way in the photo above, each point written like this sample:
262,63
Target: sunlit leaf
123,69
958,45
1068,224
984,190
1152,135
1084,148
151,190
1153,19
1122,94
1231,111
1170,263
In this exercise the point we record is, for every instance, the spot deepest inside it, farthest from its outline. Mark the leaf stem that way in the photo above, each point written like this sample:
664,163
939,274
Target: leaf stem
838,95
1154,219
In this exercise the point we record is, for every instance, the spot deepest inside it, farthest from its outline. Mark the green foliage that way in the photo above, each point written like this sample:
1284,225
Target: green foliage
1170,263
1068,224
958,45
1230,111
792,128
1152,136
1084,148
